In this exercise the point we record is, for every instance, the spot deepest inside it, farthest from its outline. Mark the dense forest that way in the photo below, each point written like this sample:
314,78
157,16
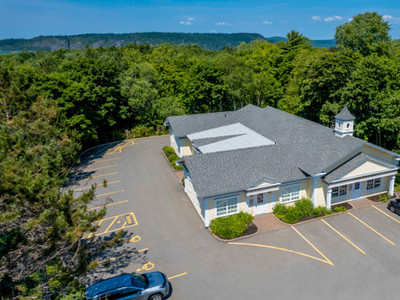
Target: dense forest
207,41
54,104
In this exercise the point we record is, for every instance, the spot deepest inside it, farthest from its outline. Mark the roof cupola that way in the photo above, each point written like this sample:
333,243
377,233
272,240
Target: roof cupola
344,123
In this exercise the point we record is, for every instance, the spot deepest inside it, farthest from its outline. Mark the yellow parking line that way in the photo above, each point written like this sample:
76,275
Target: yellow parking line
113,258
386,214
370,228
88,187
282,249
327,260
343,236
103,175
95,169
172,277
111,204
110,193
104,160
112,223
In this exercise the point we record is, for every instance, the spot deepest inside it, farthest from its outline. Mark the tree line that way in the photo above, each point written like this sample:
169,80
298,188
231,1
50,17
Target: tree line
54,104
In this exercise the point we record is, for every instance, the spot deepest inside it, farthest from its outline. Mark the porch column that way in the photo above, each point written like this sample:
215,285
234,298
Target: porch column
328,198
314,193
248,204
391,185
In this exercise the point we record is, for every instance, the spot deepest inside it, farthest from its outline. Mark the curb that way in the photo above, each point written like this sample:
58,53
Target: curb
235,239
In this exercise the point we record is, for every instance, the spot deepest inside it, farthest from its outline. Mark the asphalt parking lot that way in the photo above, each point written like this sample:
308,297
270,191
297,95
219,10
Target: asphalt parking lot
353,255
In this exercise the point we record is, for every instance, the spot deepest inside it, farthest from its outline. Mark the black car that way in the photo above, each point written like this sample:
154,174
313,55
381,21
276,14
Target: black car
394,206
149,286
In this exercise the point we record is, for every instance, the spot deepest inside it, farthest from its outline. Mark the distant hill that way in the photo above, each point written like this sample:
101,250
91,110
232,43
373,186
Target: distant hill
209,41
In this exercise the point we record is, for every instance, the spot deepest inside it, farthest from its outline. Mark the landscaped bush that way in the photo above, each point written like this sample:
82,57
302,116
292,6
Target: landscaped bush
305,206
293,215
232,226
319,211
175,166
340,208
168,150
173,158
301,209
384,197
279,210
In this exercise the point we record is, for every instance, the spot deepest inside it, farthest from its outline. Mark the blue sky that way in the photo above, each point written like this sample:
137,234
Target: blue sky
314,19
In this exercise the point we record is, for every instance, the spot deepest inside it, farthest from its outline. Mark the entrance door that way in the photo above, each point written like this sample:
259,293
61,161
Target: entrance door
356,193
260,201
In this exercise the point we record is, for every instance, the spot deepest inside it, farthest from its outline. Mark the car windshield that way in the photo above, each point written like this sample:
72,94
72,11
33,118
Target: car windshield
139,281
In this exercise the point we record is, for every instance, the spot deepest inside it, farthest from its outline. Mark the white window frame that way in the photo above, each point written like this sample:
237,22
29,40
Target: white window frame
292,195
227,213
339,189
374,181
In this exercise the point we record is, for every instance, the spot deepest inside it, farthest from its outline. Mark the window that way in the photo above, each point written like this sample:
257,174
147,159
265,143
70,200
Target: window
290,193
226,206
339,191
260,198
374,184
356,185
348,125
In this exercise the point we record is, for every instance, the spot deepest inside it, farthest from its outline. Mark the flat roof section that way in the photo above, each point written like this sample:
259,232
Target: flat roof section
237,136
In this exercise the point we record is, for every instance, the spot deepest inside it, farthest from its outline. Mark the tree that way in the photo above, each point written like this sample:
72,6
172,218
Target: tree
366,33
40,227
324,76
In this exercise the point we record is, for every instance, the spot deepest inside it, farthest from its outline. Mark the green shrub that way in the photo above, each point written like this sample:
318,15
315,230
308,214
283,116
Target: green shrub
340,208
176,167
304,206
279,210
173,158
232,226
293,215
168,150
384,197
317,212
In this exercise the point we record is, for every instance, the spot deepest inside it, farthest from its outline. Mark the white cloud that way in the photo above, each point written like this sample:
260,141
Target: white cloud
182,22
316,18
267,22
330,19
214,31
387,17
391,19
185,23
191,19
220,23
350,19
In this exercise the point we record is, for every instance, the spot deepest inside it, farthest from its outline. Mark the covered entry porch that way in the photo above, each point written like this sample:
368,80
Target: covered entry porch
357,188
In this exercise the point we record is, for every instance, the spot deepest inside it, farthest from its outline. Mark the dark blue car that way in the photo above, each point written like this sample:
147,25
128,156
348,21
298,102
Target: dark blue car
149,286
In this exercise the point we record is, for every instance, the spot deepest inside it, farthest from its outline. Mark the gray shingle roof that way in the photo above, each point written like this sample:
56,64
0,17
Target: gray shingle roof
346,166
345,114
302,148
230,171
